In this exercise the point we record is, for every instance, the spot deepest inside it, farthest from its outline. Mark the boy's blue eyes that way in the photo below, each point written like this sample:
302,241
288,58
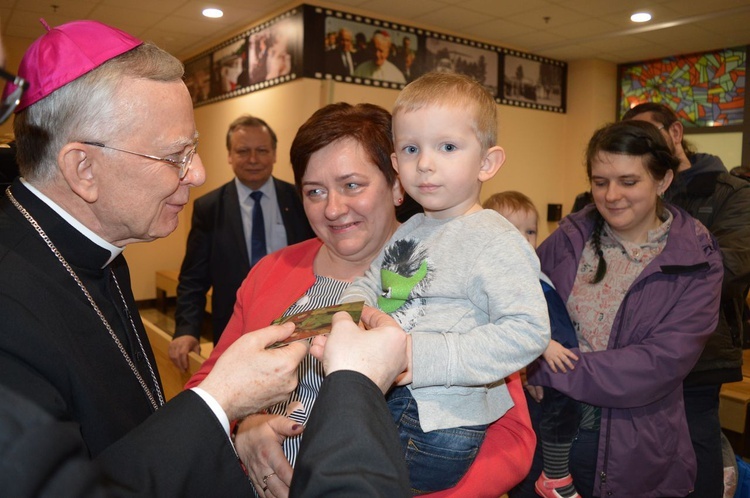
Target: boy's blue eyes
411,149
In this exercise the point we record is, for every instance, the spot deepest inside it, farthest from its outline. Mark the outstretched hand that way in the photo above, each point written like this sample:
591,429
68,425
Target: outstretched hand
248,377
559,358
379,353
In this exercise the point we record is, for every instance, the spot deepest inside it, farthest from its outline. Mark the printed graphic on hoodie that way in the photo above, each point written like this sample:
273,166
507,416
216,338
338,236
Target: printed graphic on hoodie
405,274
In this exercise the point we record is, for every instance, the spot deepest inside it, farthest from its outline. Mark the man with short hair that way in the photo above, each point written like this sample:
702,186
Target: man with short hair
705,189
219,250
107,153
340,59
380,68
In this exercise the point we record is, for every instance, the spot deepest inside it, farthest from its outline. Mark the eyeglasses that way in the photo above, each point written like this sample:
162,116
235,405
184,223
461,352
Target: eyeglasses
11,101
183,164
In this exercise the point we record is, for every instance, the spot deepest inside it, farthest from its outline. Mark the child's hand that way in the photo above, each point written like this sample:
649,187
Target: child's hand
536,392
558,357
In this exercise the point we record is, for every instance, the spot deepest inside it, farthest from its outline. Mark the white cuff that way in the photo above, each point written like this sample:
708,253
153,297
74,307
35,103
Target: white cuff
215,407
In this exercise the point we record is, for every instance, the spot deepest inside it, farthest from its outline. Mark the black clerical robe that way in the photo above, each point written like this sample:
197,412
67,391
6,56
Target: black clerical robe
55,351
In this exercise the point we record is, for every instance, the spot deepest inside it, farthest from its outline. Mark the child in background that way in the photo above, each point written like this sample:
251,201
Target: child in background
559,421
459,279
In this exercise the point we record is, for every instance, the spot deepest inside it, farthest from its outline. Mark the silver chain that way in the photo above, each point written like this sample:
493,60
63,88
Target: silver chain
86,293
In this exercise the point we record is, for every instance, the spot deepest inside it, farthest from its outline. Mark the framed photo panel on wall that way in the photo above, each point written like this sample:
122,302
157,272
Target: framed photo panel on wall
358,51
198,78
479,63
530,81
276,51
316,42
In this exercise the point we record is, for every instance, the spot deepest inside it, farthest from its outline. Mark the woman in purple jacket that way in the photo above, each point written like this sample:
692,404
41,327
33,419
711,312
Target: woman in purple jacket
641,281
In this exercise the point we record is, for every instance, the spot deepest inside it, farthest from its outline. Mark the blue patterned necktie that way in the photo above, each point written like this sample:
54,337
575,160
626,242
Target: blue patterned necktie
258,235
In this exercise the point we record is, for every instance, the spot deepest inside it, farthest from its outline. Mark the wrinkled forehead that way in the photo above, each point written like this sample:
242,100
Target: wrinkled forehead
157,109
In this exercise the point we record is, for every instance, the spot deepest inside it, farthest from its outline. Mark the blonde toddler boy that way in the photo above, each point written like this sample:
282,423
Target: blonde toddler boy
459,279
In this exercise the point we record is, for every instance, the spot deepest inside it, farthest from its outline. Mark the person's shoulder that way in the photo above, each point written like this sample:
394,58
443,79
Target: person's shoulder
490,222
296,256
734,183
683,224
490,216
213,195
296,251
285,188
281,184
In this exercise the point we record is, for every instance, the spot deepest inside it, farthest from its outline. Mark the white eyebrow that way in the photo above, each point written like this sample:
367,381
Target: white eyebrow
181,142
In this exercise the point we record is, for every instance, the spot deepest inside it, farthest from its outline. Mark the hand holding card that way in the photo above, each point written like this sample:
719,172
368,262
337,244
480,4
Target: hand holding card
316,322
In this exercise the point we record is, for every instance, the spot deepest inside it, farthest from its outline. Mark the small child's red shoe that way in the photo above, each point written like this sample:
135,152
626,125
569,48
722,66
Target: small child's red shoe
546,487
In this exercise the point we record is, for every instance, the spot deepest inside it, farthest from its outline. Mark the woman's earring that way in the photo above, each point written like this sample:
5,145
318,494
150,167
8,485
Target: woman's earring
399,201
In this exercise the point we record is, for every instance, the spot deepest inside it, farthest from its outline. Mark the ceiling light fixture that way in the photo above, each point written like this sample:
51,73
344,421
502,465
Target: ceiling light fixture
640,17
213,13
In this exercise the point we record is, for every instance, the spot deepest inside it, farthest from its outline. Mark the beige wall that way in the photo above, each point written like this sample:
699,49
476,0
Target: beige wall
544,149
728,146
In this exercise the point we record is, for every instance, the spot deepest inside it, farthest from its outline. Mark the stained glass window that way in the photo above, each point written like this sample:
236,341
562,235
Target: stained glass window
706,89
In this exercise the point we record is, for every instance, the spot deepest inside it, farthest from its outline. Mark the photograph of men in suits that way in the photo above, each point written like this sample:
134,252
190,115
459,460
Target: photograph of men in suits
219,247
340,59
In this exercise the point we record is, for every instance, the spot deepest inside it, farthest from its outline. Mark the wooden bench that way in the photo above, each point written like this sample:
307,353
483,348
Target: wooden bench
166,287
172,379
734,400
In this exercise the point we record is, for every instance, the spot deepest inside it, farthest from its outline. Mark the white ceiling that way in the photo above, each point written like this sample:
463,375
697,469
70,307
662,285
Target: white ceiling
558,29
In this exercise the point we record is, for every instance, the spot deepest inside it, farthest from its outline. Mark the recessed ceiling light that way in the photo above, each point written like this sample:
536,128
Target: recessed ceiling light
213,13
640,17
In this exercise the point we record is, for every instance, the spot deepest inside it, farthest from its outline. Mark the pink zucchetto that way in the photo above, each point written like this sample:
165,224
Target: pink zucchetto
66,53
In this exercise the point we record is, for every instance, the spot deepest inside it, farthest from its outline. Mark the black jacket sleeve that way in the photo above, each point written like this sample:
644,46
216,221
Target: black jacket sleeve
350,446
195,274
180,451
42,456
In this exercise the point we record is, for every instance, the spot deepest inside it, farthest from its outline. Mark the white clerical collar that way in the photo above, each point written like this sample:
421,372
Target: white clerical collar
113,249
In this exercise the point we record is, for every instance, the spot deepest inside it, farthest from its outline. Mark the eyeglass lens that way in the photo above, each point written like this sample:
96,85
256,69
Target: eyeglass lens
185,164
10,103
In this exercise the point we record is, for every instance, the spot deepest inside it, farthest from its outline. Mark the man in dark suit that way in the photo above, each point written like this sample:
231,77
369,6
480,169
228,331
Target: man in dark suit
219,246
341,60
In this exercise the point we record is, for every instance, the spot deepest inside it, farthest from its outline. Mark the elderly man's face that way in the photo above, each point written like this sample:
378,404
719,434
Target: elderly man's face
139,199
382,50
345,41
